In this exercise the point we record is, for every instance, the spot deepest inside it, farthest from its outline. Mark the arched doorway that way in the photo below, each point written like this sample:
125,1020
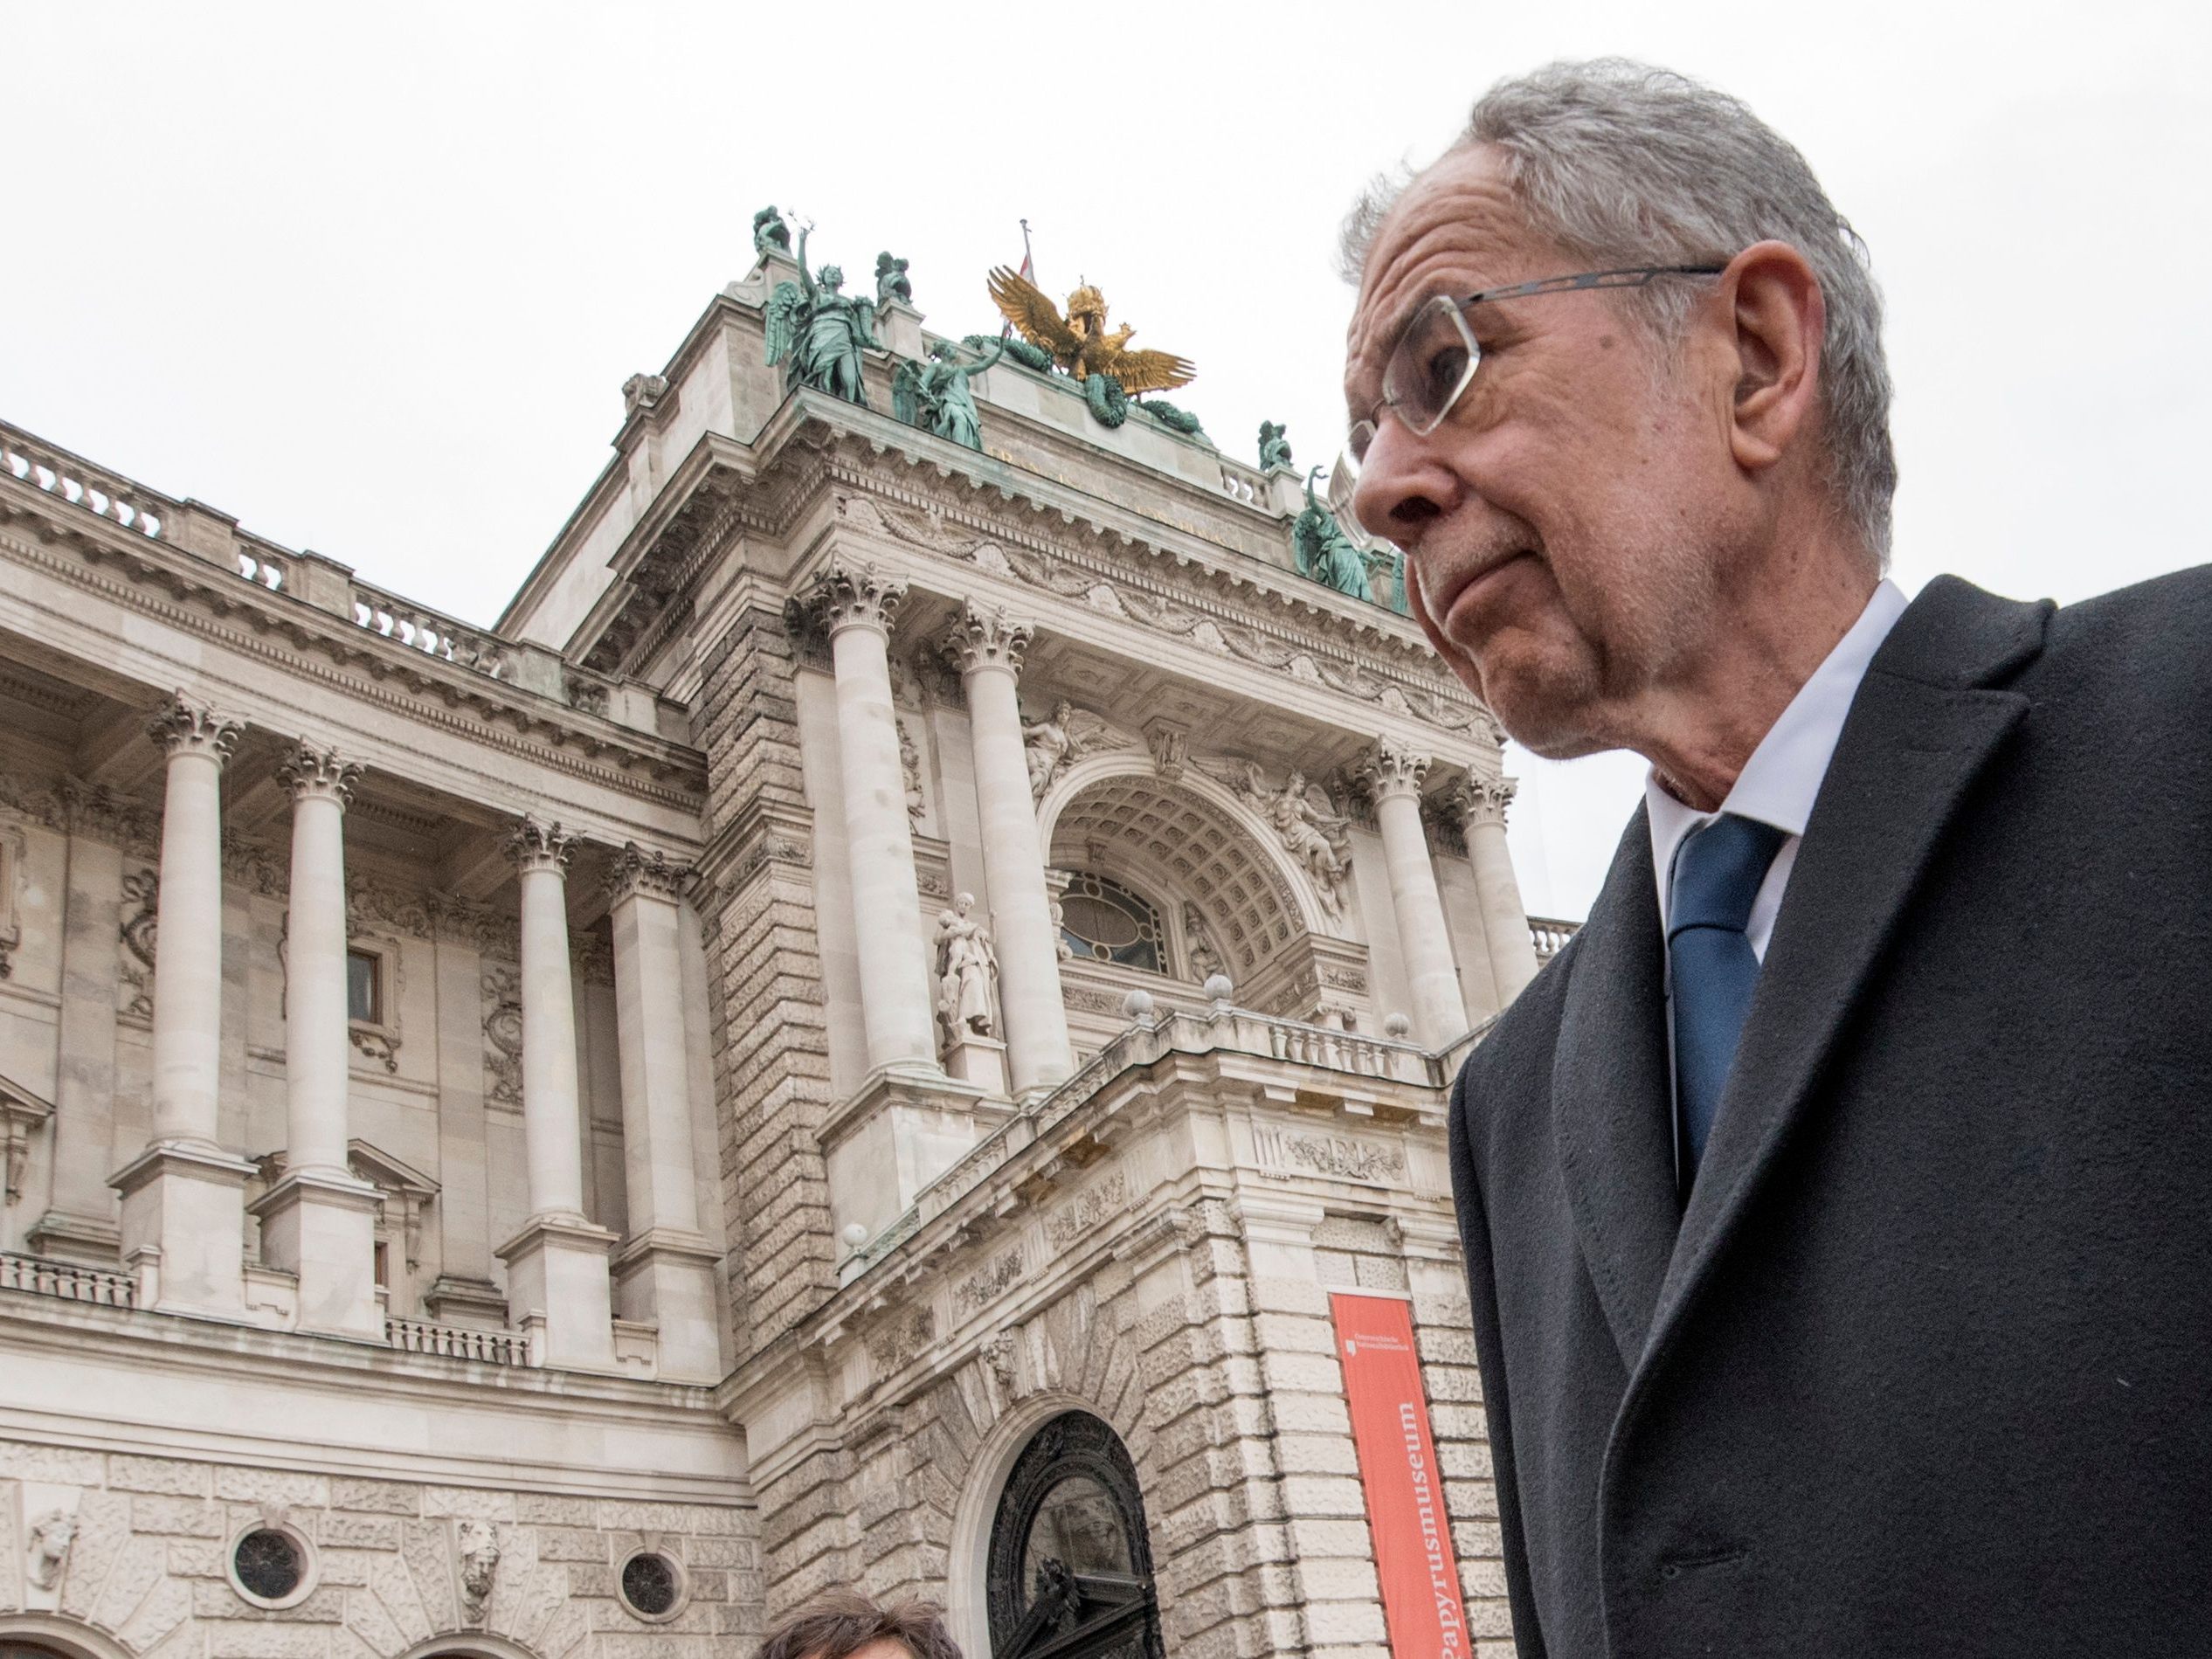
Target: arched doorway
1069,1573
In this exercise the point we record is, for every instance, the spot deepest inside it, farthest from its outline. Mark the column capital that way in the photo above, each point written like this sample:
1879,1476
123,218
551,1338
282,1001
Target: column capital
182,726
981,639
855,595
1480,801
633,871
317,774
536,845
1391,769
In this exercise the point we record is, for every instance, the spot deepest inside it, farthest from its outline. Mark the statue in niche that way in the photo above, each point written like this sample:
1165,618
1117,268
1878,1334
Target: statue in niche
1205,961
891,281
771,234
818,333
1324,551
1063,737
480,1555
934,395
51,1536
967,968
1060,929
910,765
1275,448
1318,841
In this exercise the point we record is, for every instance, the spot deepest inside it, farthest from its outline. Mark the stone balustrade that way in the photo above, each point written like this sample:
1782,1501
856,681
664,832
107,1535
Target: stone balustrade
1549,934
430,631
58,473
40,1277
458,1342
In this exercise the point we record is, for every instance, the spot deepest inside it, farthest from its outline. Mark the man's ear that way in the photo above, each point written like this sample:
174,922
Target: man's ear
1778,319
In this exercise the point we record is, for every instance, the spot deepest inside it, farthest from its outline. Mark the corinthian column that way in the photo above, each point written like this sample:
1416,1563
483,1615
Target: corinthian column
318,1221
1481,803
183,1198
987,648
856,605
556,1266
665,1272
1394,774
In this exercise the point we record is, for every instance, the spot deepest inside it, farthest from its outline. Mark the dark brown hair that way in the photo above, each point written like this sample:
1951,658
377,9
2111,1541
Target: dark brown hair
838,1623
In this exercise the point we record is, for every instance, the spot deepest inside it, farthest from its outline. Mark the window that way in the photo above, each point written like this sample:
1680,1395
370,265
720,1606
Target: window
1102,920
365,987
1069,1573
272,1566
652,1586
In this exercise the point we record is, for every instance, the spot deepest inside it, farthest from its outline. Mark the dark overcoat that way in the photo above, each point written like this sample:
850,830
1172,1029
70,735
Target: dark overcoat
1924,1366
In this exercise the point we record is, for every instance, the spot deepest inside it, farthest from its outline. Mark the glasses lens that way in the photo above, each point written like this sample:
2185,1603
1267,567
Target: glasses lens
1434,361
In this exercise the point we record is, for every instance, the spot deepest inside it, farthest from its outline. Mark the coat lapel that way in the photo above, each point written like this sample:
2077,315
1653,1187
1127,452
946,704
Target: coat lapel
1921,729
1611,1106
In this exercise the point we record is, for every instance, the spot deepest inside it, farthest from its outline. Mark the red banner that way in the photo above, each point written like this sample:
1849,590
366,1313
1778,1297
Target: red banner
1412,1535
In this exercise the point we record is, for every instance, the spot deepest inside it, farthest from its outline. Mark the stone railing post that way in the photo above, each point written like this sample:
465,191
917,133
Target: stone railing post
556,1266
856,605
1481,803
1394,774
665,1271
986,649
318,1222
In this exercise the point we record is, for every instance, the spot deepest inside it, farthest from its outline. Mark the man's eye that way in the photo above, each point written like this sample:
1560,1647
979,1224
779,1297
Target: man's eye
1445,366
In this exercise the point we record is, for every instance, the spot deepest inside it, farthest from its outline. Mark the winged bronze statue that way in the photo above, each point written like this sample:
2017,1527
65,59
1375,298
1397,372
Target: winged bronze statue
1079,342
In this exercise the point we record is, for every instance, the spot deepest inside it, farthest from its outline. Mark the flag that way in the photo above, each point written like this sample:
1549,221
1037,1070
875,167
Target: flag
1029,274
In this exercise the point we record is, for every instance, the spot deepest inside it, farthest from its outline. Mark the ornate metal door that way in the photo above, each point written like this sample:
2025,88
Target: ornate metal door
1070,1569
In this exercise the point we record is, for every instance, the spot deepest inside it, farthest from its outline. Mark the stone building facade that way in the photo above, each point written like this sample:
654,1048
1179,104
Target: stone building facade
853,1037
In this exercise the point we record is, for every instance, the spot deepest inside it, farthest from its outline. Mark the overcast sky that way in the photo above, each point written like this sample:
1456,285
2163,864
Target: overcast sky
373,286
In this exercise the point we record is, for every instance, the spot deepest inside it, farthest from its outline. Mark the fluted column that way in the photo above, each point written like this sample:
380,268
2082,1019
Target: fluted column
1481,803
987,648
1394,774
856,605
318,1221
665,1271
183,1198
556,1266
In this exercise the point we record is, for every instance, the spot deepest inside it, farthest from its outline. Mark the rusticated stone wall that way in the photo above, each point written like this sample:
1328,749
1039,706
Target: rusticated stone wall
145,1565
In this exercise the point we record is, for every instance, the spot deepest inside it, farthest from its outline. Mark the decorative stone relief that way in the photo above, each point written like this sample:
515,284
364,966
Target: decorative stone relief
262,871
634,870
586,696
1198,949
906,1335
371,903
1339,1156
1088,1210
910,768
1062,738
999,1353
476,1544
1170,745
982,1288
502,988
15,850
139,936
1317,838
51,1536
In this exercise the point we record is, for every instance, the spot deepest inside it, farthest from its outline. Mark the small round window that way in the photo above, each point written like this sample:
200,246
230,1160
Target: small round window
272,1566
1104,920
653,1587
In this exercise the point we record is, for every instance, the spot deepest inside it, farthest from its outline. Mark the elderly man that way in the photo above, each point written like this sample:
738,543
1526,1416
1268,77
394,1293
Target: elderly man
844,1624
1836,1204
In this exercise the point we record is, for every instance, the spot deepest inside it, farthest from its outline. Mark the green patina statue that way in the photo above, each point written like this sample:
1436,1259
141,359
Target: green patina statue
1324,552
935,395
1275,448
1175,420
1017,350
817,333
891,280
770,232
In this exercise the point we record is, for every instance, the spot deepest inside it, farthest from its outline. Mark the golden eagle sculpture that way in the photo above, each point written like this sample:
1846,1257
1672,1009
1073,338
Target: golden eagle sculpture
1079,341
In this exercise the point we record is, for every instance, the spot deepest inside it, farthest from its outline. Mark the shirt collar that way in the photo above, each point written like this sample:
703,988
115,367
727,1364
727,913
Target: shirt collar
1780,780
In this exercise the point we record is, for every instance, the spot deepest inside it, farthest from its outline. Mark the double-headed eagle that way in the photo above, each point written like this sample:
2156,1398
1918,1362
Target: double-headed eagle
1079,342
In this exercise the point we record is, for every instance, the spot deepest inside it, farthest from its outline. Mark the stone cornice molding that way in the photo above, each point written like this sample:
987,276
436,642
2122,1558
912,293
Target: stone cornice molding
317,774
634,873
982,637
1479,801
534,845
181,726
1390,769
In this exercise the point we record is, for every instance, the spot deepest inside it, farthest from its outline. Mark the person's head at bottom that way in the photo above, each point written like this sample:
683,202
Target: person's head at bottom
844,1624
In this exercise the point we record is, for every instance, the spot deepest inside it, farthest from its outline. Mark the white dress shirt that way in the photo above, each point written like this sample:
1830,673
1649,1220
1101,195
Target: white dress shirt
1779,782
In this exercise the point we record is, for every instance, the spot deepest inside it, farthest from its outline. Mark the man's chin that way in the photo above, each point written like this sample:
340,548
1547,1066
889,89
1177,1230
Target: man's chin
1546,715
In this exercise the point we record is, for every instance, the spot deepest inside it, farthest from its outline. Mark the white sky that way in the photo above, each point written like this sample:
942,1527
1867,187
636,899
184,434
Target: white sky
371,281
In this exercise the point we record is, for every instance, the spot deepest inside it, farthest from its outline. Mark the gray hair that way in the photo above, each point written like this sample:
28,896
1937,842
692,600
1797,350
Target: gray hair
1624,164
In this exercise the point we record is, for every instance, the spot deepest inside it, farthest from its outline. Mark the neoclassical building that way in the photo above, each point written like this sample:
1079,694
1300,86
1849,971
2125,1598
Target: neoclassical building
889,1023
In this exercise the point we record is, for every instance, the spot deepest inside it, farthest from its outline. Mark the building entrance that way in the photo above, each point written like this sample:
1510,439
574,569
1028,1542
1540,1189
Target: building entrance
1070,1571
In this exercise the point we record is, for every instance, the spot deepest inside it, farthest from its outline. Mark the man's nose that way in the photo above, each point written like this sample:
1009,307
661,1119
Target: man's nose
1401,485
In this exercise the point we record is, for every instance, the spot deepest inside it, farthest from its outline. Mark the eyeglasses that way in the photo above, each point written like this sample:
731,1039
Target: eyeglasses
1434,358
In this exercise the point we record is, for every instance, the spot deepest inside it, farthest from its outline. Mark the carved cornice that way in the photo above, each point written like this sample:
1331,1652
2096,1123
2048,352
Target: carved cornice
633,871
183,726
1390,769
318,774
986,638
536,845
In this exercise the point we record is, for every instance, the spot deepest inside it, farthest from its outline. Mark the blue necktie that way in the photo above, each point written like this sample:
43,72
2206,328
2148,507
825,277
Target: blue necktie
1717,874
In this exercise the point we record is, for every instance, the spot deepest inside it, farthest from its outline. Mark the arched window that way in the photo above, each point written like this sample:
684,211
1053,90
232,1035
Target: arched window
1102,920
1070,1571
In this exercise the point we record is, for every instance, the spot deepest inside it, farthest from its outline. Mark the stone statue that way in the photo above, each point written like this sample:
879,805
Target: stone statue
51,1536
771,234
1275,448
1324,551
1318,841
1205,961
910,765
1060,929
817,333
478,1567
967,968
891,280
934,397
